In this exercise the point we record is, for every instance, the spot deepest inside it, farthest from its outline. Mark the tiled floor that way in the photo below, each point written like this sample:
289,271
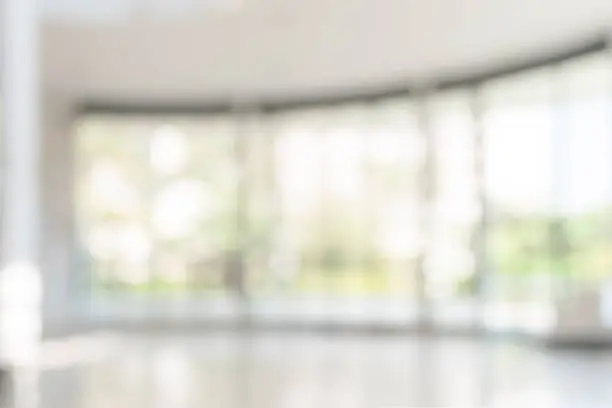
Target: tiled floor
303,371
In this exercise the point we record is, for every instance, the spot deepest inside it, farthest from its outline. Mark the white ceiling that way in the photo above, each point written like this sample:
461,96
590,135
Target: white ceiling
268,46
114,11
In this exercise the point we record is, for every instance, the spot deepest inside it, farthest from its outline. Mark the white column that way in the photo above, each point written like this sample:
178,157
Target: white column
19,275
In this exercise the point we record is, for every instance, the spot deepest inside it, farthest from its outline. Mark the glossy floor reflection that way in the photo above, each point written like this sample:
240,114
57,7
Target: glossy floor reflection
299,371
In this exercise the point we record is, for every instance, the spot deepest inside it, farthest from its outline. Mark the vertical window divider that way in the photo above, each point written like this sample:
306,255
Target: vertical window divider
426,208
558,233
239,249
276,213
143,300
480,234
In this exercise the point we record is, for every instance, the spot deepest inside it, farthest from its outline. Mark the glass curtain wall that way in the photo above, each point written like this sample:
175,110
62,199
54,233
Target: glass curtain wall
157,204
451,280
519,131
322,214
584,200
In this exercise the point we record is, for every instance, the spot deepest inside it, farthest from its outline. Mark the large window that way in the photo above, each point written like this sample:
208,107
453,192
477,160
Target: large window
452,284
479,205
519,130
157,203
584,200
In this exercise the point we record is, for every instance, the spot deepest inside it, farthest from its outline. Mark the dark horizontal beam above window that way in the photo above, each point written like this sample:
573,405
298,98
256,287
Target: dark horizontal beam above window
127,107
151,107
551,59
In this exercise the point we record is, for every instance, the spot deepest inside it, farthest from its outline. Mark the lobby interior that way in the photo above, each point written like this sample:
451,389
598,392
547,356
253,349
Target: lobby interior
263,203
